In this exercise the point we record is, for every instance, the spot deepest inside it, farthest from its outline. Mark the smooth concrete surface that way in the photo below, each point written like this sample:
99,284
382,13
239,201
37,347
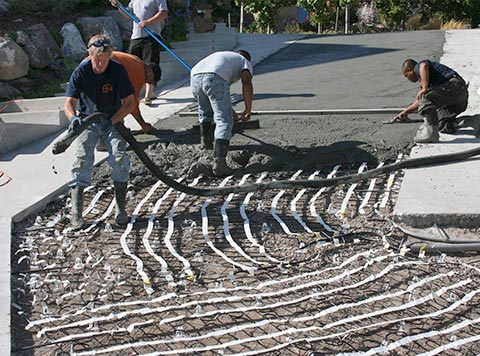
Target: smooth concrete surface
19,129
446,195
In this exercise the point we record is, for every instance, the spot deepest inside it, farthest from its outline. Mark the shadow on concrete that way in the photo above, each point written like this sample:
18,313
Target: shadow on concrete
31,149
303,54
308,158
263,96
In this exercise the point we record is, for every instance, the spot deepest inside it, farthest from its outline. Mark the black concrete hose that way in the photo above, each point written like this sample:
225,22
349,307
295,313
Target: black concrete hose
61,145
283,184
445,247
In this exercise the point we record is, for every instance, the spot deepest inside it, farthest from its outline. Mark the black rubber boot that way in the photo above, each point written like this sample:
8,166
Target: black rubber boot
120,189
472,121
206,135
220,167
77,221
428,132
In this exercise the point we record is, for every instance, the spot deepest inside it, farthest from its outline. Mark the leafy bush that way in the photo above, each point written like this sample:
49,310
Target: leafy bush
176,26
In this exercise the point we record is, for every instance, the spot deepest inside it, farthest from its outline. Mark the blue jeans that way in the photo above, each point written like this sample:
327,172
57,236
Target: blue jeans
213,96
118,159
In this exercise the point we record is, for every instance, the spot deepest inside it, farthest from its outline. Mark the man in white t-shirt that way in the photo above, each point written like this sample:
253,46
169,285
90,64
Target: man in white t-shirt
150,13
210,80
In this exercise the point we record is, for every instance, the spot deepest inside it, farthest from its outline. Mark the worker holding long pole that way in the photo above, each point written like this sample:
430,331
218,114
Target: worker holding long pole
149,13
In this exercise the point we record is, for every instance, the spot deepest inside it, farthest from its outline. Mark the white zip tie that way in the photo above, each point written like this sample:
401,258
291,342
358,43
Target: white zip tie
338,335
293,205
246,224
150,226
226,229
350,192
366,198
105,215
455,344
273,209
412,338
170,230
123,238
92,203
160,299
376,298
209,241
147,310
404,306
313,211
391,177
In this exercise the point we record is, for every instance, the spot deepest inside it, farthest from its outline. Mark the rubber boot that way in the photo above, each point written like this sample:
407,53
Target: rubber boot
100,147
473,122
220,167
120,189
76,220
428,132
206,135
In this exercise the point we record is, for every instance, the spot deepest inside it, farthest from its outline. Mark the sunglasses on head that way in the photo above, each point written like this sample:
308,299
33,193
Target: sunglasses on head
100,43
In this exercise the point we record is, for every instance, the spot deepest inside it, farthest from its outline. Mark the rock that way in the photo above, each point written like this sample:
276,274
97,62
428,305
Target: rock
73,45
8,91
22,38
14,62
125,25
41,47
92,26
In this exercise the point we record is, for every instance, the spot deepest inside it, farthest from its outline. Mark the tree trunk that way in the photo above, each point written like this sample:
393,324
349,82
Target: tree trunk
336,19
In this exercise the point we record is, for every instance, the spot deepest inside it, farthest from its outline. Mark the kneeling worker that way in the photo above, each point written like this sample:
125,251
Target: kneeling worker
442,97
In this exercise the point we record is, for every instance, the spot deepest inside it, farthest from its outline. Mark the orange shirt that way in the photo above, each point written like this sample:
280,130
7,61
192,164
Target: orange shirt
136,73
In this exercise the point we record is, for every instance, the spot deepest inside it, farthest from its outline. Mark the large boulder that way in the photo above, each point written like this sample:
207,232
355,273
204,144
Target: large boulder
14,62
125,25
41,48
73,45
105,25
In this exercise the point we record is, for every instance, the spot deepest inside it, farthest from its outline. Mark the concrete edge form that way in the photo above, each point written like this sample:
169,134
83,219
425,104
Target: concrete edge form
5,297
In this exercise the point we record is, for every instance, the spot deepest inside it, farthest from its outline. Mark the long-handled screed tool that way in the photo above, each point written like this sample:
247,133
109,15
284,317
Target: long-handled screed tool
147,30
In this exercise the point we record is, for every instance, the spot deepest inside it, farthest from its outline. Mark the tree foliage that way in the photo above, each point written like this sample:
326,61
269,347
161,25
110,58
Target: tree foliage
265,10
394,12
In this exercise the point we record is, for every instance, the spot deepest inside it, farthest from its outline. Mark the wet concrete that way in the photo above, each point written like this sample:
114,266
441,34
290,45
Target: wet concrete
318,72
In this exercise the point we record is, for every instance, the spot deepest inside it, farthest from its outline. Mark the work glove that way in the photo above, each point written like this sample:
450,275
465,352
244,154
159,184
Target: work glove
74,122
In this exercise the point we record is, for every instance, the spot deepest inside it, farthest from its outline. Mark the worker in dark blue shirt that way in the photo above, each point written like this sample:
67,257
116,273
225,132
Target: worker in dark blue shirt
443,95
99,84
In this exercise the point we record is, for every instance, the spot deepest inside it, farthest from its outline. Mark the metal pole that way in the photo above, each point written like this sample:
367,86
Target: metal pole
241,17
314,112
154,36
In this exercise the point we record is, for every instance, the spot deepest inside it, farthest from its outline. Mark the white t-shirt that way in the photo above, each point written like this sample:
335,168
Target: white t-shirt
144,10
228,65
